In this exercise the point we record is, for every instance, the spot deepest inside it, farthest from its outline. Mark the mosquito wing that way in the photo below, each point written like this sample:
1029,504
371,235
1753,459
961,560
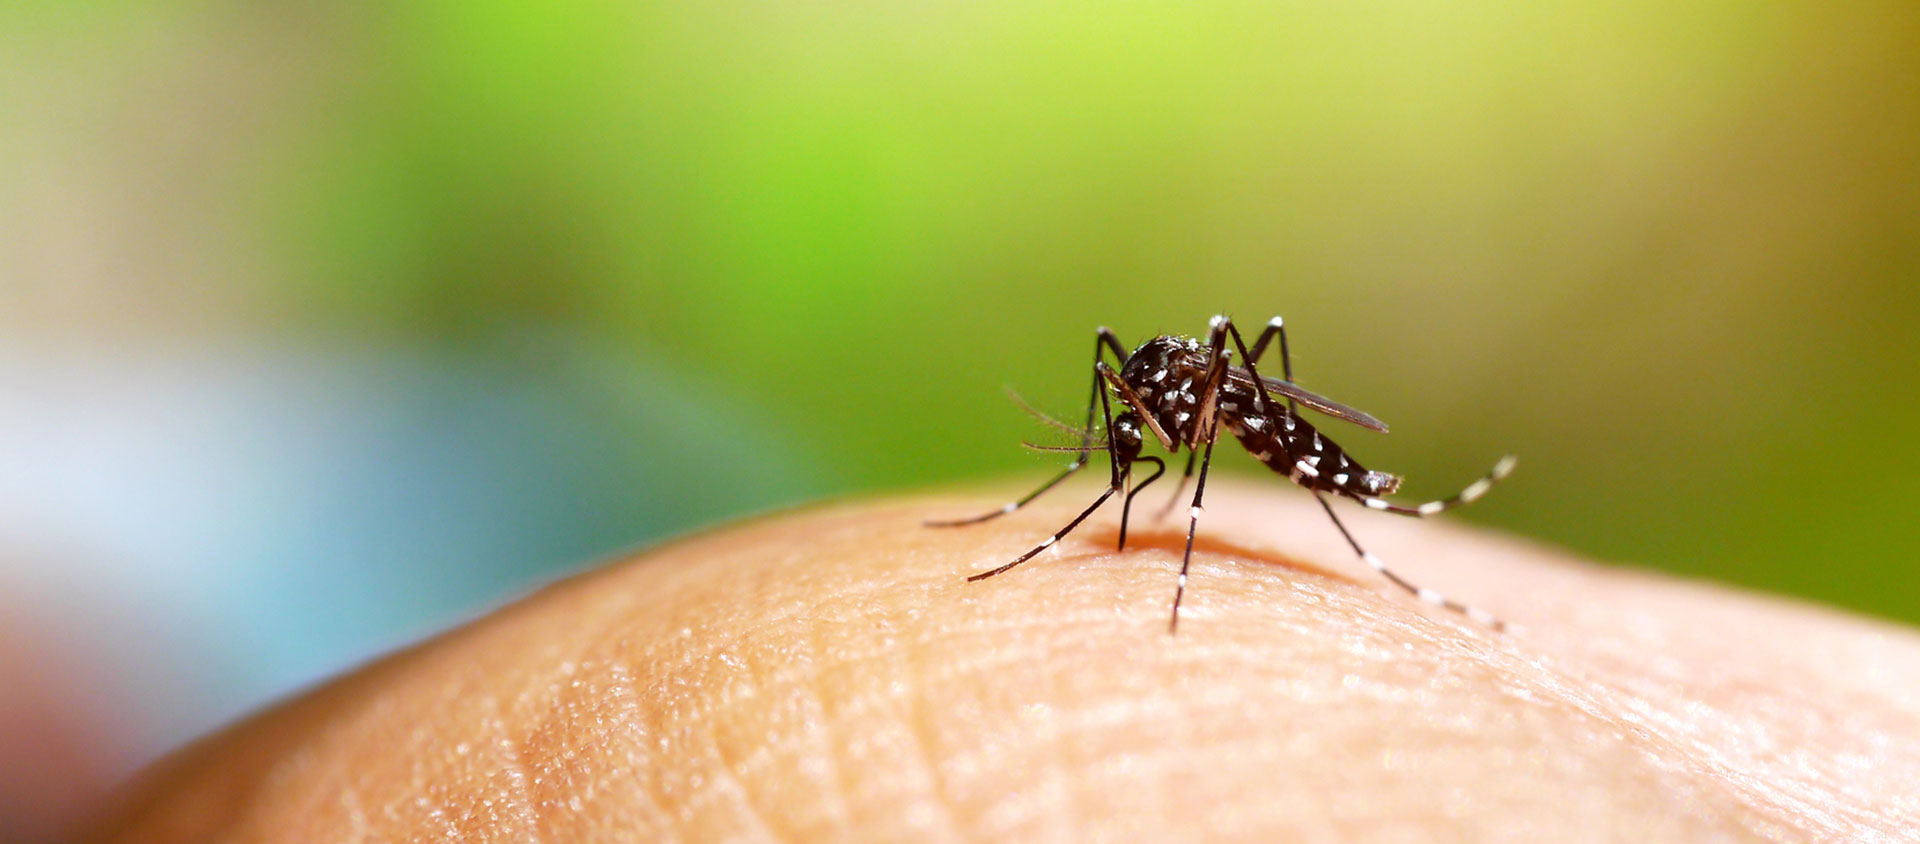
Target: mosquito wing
1310,399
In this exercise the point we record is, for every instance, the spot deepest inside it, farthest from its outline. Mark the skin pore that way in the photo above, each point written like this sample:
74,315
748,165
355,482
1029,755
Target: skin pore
830,675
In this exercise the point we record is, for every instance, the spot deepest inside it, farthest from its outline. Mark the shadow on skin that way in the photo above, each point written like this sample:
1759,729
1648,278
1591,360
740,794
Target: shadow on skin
1175,543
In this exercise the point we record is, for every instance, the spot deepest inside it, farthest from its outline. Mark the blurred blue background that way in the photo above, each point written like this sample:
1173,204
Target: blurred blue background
323,326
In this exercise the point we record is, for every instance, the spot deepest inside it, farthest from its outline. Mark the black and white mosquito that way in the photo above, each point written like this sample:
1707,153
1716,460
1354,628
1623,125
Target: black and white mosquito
1183,392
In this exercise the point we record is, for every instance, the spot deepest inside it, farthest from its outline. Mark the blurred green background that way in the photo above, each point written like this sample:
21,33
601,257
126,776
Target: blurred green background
329,323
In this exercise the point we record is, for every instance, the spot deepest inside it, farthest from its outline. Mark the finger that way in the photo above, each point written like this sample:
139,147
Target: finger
830,674
57,748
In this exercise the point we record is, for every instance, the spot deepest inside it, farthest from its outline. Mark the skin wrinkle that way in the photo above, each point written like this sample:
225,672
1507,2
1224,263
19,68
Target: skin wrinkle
1668,743
344,782
995,630
520,801
626,727
819,725
787,676
1010,635
1437,628
628,700
1067,640
716,784
1811,770
1759,782
1206,704
1769,789
358,827
919,726
1671,741
538,704
427,772
1590,700
729,783
690,661
751,629
1576,696
1303,699
1067,813
570,730
863,709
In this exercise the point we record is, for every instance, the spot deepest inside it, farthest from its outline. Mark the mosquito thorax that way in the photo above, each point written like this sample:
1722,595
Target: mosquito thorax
1156,360
1168,374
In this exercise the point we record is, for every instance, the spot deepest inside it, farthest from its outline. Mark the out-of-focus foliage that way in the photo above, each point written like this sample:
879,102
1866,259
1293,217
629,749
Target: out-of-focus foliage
529,281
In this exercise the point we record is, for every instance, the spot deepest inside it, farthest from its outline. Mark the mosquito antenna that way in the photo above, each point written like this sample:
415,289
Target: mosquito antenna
1097,445
1043,417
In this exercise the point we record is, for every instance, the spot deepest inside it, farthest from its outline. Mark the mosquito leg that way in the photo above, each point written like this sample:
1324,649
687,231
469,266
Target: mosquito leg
1120,475
1466,496
1159,468
1209,414
1075,466
1184,477
1222,323
1421,592
1103,340
1051,539
1193,524
1276,327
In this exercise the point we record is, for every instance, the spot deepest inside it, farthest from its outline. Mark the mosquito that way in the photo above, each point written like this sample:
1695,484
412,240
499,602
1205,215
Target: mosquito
1182,392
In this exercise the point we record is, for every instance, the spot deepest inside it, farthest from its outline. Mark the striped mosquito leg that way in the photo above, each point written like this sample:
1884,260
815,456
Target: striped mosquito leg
1051,539
1421,592
1463,497
1275,327
1077,464
1193,524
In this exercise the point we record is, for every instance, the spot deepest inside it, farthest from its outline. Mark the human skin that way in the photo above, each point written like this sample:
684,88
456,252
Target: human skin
57,749
830,674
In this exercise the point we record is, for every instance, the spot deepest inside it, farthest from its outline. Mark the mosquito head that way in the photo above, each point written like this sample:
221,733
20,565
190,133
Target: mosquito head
1126,437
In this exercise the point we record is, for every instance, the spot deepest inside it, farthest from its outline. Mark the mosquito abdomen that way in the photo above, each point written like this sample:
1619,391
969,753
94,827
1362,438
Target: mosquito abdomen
1291,446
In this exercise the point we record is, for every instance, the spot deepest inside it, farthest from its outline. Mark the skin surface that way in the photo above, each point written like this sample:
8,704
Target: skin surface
829,675
57,748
